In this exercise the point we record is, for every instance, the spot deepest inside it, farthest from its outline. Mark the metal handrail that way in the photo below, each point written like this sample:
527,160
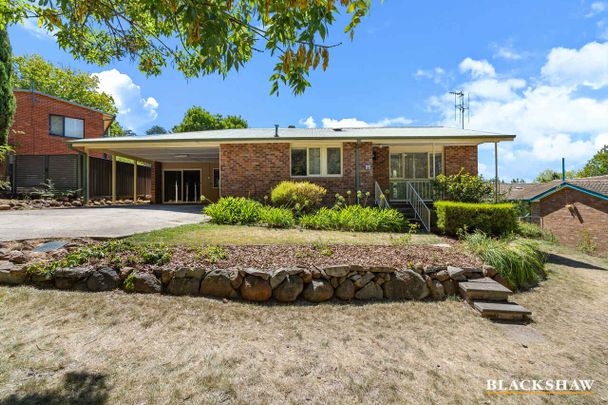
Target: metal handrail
381,199
420,208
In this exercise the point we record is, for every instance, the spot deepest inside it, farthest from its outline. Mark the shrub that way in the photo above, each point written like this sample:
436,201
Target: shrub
234,210
355,218
532,231
462,187
276,217
495,219
299,195
520,261
156,254
586,244
215,253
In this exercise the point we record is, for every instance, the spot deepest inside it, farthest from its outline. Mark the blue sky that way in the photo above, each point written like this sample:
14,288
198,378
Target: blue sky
538,69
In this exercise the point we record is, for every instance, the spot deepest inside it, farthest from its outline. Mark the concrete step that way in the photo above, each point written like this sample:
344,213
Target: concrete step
487,290
508,311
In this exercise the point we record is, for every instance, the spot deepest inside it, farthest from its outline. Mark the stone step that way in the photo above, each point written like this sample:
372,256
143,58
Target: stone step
483,291
501,310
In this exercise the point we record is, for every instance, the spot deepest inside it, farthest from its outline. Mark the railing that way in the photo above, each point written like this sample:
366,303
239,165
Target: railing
380,198
398,189
420,208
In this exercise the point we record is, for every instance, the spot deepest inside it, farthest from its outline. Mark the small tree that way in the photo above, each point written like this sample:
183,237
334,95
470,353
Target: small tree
463,187
597,165
199,119
156,130
7,98
548,175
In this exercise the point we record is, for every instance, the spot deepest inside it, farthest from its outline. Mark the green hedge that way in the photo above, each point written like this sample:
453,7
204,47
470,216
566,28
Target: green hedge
234,210
355,218
493,219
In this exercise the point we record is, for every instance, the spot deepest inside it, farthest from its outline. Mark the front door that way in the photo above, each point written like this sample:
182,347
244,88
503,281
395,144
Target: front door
181,186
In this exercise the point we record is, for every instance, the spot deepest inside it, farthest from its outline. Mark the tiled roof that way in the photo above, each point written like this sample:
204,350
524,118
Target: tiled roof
527,191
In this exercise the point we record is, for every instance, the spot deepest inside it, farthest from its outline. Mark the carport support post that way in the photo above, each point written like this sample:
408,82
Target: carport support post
87,167
134,181
113,178
495,171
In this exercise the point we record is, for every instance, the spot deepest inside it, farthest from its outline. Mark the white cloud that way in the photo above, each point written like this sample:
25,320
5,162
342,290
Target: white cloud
550,116
134,110
506,51
357,123
596,8
477,68
437,75
308,122
587,66
31,25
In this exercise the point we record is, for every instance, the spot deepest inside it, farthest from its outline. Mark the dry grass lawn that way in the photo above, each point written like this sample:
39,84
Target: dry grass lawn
58,347
197,234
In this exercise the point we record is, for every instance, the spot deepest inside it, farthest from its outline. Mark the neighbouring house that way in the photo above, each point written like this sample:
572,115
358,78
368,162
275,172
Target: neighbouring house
249,162
575,210
42,125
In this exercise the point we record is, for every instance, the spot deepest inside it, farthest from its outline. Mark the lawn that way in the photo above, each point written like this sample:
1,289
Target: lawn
57,347
197,234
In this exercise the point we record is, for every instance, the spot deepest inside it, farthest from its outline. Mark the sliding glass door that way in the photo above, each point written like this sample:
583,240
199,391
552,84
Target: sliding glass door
181,186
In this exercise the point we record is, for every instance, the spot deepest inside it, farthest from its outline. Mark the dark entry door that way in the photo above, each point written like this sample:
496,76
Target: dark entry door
173,186
192,185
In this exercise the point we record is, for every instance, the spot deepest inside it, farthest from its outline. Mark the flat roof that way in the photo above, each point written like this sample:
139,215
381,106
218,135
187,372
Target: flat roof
268,134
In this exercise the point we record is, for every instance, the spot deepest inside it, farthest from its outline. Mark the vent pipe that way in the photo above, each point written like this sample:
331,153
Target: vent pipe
563,170
276,130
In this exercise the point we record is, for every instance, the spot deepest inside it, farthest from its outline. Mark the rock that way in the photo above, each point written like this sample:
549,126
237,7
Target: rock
338,270
419,268
252,271
16,256
289,289
5,207
473,272
124,272
63,283
255,288
277,277
442,275
11,273
77,203
183,286
488,271
367,277
431,269
371,291
437,291
4,253
334,282
103,279
195,272
74,273
499,278
379,280
218,284
346,290
166,275
456,273
381,269
449,287
355,277
316,273
306,276
180,272
145,283
405,284
236,278
318,291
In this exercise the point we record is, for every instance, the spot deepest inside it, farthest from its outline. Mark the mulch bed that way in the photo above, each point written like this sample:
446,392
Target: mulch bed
273,256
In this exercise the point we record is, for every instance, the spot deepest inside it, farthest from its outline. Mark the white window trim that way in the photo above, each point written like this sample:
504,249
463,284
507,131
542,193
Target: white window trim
323,158
429,164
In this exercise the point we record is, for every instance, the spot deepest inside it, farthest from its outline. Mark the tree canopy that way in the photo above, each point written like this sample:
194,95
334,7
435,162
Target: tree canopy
195,37
7,98
597,165
199,119
156,130
548,175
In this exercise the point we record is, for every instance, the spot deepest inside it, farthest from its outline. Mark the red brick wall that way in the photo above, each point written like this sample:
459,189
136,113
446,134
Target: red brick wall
30,135
460,157
251,170
568,224
381,166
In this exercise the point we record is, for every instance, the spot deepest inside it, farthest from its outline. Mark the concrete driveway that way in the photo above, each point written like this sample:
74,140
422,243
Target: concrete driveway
95,222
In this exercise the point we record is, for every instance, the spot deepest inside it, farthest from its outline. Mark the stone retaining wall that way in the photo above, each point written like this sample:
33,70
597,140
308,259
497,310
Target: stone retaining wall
344,282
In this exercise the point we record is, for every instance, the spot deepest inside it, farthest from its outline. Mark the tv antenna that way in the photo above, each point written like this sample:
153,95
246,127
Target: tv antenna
460,107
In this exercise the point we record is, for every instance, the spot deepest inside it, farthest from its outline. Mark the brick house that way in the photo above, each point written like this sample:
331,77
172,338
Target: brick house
40,129
573,210
251,161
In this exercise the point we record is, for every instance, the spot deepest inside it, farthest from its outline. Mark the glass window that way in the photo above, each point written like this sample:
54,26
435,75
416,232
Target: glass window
56,125
298,162
334,164
438,169
216,178
421,166
314,161
74,128
396,165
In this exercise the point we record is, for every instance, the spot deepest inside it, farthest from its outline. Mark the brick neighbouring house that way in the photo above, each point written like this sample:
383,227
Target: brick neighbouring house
251,161
572,209
39,132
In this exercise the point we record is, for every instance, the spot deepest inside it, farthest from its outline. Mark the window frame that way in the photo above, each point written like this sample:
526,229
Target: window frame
219,180
63,135
322,157
429,159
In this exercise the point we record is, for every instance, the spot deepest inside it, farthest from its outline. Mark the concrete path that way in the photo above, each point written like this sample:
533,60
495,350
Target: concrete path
95,222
